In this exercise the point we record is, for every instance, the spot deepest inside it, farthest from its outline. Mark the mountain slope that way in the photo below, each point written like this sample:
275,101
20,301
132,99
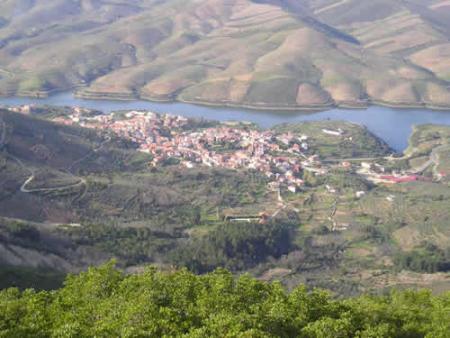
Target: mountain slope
266,53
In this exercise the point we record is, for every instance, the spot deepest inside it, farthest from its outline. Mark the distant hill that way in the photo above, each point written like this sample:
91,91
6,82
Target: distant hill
262,53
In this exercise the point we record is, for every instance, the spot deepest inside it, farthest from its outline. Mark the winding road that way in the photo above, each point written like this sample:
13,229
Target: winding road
81,181
23,187
433,160
436,160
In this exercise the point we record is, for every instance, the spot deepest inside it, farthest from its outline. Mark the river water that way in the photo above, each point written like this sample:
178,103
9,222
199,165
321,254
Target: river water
392,125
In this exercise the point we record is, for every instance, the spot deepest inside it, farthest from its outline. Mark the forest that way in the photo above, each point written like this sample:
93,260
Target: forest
104,302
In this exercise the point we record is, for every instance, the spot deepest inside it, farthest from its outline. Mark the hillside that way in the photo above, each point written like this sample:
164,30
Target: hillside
358,220
267,53
55,177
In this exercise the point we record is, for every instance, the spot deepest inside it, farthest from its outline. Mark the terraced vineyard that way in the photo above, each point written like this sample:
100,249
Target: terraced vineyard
266,53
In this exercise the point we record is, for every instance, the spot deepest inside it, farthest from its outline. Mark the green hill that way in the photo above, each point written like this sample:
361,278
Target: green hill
271,54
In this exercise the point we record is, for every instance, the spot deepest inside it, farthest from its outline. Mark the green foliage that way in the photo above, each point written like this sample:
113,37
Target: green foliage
235,246
133,245
21,230
343,180
311,180
104,302
171,161
23,235
428,259
24,278
356,142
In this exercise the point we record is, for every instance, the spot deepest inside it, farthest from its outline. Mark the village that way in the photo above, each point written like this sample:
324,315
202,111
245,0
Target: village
282,158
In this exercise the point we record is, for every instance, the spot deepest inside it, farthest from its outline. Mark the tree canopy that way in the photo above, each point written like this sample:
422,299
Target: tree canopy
104,302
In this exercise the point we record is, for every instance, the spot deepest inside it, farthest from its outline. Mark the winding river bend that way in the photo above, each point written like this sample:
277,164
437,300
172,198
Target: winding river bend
392,125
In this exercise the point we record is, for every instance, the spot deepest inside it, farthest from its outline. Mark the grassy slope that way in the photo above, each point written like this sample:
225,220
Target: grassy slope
247,53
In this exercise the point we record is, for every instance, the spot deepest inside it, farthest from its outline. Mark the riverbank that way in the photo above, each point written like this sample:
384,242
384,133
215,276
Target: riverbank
391,124
362,104
358,105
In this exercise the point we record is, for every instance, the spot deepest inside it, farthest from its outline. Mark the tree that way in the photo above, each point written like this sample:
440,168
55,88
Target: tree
104,302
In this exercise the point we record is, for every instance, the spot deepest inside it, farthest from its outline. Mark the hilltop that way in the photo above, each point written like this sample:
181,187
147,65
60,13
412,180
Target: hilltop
267,54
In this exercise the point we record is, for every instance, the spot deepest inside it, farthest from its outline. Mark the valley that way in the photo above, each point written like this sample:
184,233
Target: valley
225,168
324,203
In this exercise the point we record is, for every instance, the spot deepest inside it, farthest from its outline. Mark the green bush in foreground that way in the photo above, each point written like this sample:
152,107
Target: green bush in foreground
103,302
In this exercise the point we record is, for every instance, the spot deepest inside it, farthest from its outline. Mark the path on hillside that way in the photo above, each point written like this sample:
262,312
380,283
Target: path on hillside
358,159
89,153
81,182
282,205
23,188
437,161
434,160
102,144
421,168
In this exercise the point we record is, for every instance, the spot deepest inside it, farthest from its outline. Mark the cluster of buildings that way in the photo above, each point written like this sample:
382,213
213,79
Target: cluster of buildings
377,174
281,157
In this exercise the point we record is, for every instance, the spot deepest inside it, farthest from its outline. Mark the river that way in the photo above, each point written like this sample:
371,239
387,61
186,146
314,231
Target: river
392,125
